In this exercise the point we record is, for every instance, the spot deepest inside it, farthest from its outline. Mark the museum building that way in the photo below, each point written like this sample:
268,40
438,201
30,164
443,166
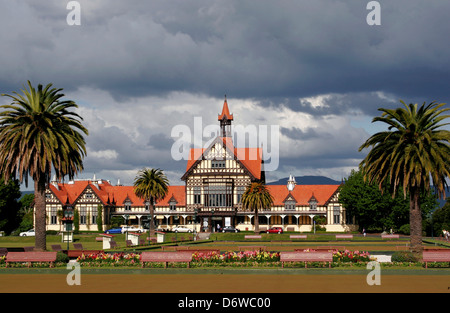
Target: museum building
214,181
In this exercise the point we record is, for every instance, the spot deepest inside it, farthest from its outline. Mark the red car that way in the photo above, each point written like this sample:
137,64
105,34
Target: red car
275,230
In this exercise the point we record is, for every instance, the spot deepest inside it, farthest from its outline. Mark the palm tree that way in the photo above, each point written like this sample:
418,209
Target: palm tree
411,153
39,134
256,197
151,185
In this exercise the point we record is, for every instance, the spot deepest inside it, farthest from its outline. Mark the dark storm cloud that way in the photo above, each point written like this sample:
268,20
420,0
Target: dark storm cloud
254,49
302,58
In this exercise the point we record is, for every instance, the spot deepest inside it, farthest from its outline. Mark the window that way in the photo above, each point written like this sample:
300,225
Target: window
218,163
127,206
94,216
197,195
219,195
53,217
336,214
289,205
172,205
313,204
83,215
89,195
239,192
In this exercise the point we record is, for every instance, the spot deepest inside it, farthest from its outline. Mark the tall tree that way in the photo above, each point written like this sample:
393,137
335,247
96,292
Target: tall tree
256,197
9,205
376,210
411,153
39,133
151,185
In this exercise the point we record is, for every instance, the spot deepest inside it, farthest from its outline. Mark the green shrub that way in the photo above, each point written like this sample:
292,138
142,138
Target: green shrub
62,257
403,256
404,229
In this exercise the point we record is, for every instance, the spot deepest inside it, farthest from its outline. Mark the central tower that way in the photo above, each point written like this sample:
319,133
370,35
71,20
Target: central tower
225,120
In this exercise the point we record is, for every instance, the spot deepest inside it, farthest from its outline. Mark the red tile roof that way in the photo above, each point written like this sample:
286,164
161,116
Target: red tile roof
118,194
303,193
250,158
225,112
109,194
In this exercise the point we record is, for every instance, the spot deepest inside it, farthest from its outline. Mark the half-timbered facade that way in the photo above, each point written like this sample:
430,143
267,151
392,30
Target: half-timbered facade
215,179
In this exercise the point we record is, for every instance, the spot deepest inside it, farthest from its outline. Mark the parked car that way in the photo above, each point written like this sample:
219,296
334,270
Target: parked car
275,230
181,229
116,230
229,229
132,229
27,233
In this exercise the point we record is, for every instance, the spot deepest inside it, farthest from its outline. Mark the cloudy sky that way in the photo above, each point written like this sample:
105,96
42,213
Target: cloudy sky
315,69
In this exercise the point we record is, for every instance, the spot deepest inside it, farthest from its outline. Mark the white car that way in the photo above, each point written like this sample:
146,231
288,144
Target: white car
132,229
27,233
181,229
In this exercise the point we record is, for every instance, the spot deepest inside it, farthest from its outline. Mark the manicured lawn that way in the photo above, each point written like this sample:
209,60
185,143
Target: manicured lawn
232,241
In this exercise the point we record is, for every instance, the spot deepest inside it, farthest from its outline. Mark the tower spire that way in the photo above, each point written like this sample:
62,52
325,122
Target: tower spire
225,120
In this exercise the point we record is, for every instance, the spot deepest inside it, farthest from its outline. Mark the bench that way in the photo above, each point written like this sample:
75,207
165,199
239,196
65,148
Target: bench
3,251
78,246
252,248
166,257
297,236
113,244
435,256
252,236
57,248
78,253
153,240
389,236
29,257
298,256
344,236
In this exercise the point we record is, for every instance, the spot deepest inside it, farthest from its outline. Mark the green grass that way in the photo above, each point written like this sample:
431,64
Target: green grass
227,241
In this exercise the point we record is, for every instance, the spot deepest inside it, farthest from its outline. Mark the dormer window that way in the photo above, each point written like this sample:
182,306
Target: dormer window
172,205
312,204
89,195
289,205
127,206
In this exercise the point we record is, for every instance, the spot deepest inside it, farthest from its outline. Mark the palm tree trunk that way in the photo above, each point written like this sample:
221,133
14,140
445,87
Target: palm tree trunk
256,221
151,224
40,216
415,223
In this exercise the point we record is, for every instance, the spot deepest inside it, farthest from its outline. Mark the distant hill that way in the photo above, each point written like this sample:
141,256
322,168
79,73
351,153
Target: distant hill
307,180
27,192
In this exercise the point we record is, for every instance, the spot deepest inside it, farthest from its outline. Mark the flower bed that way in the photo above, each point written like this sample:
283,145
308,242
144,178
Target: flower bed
211,259
239,259
106,259
232,256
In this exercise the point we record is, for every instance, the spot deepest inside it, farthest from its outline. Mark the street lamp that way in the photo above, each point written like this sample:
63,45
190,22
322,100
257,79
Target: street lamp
313,223
195,223
68,223
125,216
